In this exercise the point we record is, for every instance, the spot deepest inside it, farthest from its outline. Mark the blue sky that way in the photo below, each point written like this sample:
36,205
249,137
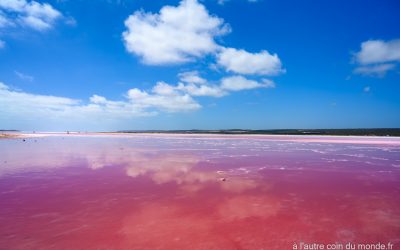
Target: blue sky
139,64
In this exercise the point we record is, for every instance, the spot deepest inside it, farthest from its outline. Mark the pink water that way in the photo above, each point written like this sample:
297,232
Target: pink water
198,192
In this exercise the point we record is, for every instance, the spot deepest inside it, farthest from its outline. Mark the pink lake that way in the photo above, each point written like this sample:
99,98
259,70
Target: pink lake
198,192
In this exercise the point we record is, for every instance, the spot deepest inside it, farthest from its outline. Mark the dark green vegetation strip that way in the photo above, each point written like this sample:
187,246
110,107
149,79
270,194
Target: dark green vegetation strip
360,132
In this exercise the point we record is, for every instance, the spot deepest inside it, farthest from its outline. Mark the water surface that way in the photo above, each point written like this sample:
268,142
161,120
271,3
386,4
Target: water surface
197,192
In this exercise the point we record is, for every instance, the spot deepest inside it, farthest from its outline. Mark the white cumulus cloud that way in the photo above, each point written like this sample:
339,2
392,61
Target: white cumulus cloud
195,85
379,70
21,100
176,34
24,107
237,83
32,14
33,105
225,86
202,90
191,77
379,51
243,62
163,97
98,99
377,57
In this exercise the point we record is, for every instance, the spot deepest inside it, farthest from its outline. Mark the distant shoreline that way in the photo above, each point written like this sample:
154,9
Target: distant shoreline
7,136
332,132
380,132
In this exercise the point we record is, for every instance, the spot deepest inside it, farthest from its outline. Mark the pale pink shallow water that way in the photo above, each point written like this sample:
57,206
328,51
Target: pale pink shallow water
166,192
